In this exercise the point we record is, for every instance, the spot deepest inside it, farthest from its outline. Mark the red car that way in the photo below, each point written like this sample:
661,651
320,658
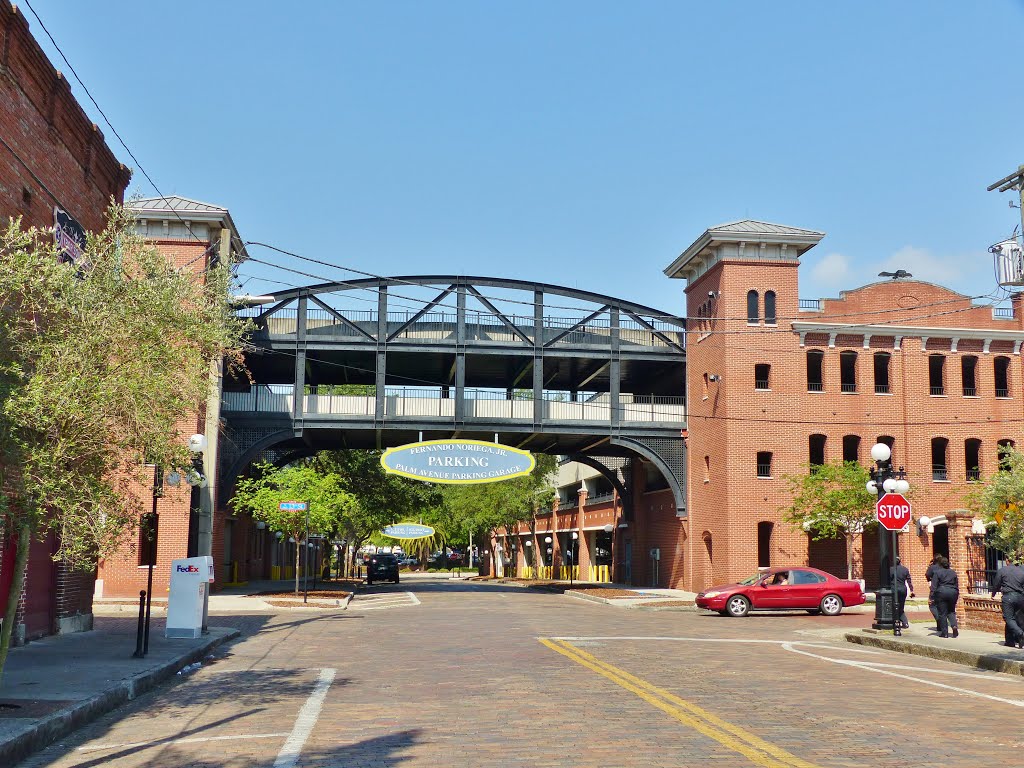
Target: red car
784,589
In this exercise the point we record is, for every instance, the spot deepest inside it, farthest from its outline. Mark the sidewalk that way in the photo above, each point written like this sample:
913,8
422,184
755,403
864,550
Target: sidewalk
54,685
982,650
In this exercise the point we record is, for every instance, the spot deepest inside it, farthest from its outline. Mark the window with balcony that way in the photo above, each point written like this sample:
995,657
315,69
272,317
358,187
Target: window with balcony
881,373
762,376
851,448
764,464
753,310
1004,447
972,458
936,375
816,451
769,308
940,447
814,380
847,371
969,374
1002,371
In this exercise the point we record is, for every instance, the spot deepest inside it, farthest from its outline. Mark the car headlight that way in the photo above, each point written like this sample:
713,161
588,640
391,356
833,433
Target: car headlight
712,594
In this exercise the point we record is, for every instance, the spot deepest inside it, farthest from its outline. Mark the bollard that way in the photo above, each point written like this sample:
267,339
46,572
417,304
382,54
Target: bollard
142,623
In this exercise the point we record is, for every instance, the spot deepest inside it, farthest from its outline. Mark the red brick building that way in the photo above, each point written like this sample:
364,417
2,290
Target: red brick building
194,236
776,384
51,156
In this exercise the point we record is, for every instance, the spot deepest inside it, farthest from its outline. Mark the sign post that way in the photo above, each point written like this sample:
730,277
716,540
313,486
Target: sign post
301,506
892,510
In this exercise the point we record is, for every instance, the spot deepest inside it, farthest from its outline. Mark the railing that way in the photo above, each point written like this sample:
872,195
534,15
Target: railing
848,387
761,384
973,474
881,389
479,404
600,498
568,503
978,580
815,386
1002,313
809,305
939,472
937,390
1003,392
764,470
970,392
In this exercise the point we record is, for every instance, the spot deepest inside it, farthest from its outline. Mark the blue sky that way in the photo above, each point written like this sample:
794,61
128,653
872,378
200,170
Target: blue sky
578,143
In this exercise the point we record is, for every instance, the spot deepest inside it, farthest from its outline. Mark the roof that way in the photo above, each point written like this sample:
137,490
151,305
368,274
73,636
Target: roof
743,231
187,209
173,203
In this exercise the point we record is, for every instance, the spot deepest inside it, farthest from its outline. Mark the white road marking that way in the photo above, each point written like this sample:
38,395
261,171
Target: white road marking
137,744
305,722
874,668
415,600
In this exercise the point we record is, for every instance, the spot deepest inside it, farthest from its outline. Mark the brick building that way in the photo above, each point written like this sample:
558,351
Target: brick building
194,236
52,156
776,384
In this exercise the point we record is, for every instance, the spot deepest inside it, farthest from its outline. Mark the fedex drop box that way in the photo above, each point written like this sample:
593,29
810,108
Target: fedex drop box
189,592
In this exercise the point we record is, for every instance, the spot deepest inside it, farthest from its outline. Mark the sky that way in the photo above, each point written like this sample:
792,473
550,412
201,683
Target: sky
584,144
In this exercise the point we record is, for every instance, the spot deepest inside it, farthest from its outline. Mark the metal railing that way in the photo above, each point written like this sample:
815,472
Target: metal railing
970,392
978,580
569,503
809,305
937,390
764,470
599,498
1002,313
881,389
973,474
1003,392
939,472
848,387
761,384
815,386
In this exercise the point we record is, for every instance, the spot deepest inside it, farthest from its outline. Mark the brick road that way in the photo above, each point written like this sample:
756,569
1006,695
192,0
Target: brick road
464,678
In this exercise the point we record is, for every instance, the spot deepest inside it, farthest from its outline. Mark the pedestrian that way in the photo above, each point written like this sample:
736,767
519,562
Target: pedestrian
1010,581
931,596
946,587
900,575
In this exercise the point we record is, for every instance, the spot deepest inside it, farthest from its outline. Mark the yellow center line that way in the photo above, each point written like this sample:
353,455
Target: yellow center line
756,749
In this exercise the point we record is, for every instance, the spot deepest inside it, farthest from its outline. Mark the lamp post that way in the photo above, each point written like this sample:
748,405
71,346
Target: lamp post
572,557
885,479
529,551
551,557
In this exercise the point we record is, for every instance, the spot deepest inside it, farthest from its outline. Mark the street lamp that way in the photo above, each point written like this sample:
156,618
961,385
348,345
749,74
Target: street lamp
569,552
529,552
885,479
551,558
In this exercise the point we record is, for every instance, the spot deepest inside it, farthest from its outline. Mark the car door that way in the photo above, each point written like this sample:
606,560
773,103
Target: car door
769,593
805,589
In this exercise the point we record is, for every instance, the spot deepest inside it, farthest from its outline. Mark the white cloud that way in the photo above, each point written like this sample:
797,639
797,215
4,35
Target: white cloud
924,265
830,274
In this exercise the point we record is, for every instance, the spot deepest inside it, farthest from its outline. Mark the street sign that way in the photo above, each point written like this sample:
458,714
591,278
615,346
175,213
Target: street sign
292,506
893,511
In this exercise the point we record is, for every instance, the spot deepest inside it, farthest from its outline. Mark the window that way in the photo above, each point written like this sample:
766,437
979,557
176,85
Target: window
705,386
847,371
816,451
753,310
769,308
805,577
814,381
972,458
936,374
939,448
881,373
764,544
1002,370
762,373
851,448
968,372
707,469
1004,447
764,464
890,441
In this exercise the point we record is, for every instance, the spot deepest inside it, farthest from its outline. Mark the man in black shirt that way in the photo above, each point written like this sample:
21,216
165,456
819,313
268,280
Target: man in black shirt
901,575
1010,581
928,574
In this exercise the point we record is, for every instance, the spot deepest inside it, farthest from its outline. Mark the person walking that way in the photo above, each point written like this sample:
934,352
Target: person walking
1010,581
946,586
931,597
900,575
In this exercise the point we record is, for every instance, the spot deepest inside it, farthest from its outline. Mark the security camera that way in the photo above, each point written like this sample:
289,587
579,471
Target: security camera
714,377
712,295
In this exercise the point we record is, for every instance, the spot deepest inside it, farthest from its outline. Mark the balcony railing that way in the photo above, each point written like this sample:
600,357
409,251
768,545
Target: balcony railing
848,387
973,474
1002,313
939,472
881,389
937,390
815,386
761,384
1002,392
970,391
764,470
809,305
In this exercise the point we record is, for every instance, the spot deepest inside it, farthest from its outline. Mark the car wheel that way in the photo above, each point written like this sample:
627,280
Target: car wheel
831,605
814,611
738,606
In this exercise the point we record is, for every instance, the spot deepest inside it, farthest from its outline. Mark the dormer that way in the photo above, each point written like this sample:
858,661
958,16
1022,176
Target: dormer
746,240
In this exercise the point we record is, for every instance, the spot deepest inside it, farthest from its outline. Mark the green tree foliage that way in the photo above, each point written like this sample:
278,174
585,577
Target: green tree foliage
1000,503
831,501
484,509
324,492
99,363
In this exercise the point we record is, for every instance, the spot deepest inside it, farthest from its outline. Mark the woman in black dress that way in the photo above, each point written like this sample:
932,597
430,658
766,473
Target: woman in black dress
946,588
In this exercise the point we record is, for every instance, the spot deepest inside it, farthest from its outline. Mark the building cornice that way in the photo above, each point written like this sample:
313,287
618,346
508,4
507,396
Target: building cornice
900,332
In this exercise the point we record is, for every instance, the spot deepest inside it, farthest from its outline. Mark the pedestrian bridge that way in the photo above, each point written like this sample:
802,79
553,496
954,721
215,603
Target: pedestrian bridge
536,366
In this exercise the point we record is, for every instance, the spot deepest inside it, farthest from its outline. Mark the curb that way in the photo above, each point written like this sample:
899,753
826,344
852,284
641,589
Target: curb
48,729
990,662
654,607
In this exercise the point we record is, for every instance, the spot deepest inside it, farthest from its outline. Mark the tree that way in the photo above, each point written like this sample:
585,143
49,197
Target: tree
490,507
831,501
262,495
99,363
1000,503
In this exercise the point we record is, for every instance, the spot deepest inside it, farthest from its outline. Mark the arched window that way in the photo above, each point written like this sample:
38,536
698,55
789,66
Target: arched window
881,373
1004,447
972,458
764,544
814,380
936,375
847,371
816,450
968,372
1002,371
753,310
851,447
940,446
769,308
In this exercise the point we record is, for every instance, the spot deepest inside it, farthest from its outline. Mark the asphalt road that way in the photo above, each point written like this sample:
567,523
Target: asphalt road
461,674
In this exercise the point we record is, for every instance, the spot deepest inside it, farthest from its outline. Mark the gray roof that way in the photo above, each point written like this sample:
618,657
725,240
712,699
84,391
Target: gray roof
751,226
173,203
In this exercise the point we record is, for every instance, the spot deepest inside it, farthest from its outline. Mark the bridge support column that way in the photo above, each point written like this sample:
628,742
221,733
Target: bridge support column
460,356
614,371
381,368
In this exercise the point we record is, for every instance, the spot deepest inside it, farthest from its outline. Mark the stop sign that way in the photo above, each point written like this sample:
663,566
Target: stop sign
893,512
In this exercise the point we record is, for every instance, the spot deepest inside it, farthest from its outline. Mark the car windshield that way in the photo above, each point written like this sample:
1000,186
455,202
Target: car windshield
752,580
